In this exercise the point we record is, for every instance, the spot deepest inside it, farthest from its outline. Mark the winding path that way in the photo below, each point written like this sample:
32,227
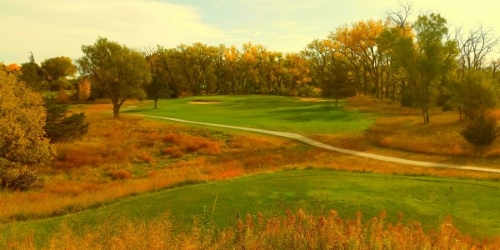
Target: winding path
340,150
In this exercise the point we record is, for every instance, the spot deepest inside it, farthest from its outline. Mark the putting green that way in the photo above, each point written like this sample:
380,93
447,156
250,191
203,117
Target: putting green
265,112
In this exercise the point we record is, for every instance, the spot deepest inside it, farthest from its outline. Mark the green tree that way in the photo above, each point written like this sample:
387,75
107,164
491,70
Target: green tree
331,69
473,92
426,60
120,72
338,83
57,70
32,74
159,86
22,117
59,125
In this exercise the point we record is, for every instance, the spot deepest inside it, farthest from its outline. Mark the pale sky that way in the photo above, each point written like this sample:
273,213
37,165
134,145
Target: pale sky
52,28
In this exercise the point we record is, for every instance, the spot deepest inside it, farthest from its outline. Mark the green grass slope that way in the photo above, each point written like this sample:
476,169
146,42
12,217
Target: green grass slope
474,205
265,112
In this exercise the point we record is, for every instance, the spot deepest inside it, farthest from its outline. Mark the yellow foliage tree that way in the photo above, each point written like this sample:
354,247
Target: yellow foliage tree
84,90
22,117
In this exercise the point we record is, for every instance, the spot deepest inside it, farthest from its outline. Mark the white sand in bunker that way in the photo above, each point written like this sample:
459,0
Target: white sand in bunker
202,102
312,99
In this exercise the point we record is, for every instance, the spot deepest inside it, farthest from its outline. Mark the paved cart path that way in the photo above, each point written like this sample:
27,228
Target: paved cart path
336,149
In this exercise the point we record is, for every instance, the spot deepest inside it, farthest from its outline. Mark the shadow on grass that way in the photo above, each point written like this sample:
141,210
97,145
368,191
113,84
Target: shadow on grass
136,110
319,113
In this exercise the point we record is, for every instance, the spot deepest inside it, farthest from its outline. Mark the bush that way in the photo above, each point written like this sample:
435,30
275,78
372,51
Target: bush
19,178
481,129
62,96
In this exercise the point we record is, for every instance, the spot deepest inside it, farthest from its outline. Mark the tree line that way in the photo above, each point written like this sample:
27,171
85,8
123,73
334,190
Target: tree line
420,64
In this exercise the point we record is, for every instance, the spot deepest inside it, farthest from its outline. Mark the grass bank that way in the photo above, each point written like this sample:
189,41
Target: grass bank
473,205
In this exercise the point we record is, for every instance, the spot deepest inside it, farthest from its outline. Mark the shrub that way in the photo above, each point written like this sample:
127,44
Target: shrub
481,129
62,96
19,178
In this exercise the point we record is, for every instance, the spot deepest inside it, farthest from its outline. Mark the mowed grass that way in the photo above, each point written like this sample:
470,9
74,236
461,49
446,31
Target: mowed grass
265,112
473,205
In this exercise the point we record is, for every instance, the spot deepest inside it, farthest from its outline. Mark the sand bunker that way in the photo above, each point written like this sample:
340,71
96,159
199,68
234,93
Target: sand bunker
312,99
204,102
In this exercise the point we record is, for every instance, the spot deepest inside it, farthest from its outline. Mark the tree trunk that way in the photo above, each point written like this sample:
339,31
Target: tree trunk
365,85
116,111
156,103
425,114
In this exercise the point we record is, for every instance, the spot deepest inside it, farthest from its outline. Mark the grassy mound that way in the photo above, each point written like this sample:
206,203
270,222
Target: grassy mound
471,204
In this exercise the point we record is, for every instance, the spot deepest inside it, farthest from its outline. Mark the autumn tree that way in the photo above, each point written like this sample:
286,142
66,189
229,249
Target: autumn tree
319,56
297,72
221,71
120,72
278,73
84,90
236,73
358,44
13,68
22,117
194,64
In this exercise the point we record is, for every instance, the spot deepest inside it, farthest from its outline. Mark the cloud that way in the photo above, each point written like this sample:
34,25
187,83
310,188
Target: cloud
59,27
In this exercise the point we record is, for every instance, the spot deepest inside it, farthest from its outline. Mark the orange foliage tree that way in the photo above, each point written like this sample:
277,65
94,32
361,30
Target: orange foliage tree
358,44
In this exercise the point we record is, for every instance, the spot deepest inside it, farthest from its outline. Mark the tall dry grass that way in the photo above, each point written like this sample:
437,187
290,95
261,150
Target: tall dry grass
296,230
402,128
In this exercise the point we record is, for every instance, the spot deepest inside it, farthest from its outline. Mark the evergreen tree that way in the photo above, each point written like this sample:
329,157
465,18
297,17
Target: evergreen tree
481,129
59,126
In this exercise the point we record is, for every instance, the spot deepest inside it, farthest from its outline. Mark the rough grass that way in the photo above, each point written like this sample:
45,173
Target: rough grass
295,230
402,129
472,204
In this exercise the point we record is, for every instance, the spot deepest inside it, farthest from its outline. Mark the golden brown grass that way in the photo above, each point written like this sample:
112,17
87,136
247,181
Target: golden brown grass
402,129
296,230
